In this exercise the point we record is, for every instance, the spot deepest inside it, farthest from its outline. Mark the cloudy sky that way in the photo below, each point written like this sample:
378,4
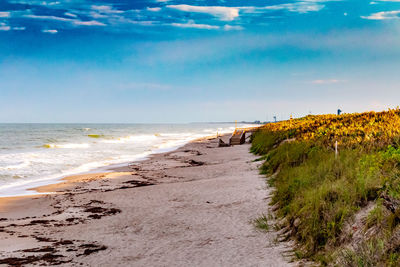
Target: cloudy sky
204,60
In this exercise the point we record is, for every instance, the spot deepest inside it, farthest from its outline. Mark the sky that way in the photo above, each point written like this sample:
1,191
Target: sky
196,61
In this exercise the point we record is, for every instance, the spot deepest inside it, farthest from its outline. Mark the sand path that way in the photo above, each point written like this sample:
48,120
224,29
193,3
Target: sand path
199,212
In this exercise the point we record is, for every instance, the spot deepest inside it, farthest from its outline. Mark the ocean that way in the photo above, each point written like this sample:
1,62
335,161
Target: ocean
37,154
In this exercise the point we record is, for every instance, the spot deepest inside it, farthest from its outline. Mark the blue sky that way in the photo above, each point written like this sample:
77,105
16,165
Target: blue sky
185,61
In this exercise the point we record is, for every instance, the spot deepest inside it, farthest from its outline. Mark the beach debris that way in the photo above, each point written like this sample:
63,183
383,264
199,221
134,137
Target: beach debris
44,239
195,152
137,183
53,259
41,249
40,222
52,255
391,204
96,201
98,212
63,243
91,248
193,162
222,143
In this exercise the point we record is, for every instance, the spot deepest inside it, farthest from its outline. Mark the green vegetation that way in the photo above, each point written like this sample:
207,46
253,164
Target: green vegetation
262,223
319,192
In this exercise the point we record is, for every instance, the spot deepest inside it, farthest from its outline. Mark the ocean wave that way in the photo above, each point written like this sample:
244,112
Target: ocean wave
176,135
132,138
84,145
96,135
16,166
72,152
209,130
172,144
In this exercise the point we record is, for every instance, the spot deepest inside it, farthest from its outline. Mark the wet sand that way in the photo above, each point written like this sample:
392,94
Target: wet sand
190,207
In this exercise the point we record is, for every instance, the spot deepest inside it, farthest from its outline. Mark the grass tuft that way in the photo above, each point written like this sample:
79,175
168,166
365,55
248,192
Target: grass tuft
261,223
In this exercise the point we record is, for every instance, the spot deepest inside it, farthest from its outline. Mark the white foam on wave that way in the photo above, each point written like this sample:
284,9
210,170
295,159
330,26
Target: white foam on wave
179,141
131,139
40,167
169,146
21,165
84,145
23,187
176,135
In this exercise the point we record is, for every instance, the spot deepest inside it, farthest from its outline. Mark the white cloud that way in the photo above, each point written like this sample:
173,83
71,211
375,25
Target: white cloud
89,23
191,24
222,12
44,3
116,19
4,14
70,14
49,18
70,20
329,81
231,13
141,22
230,27
4,27
106,9
383,15
36,2
154,9
18,28
103,11
298,7
50,31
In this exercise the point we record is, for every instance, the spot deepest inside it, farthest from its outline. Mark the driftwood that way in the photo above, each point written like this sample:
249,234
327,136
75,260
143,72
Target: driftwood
222,143
393,205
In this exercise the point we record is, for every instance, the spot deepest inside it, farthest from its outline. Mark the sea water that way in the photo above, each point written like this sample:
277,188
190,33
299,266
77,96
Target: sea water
37,154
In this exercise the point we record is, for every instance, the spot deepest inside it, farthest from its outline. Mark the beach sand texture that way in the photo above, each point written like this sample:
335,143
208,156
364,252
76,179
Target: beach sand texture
190,207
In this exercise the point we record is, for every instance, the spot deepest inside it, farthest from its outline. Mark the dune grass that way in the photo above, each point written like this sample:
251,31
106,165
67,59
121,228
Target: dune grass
323,191
262,223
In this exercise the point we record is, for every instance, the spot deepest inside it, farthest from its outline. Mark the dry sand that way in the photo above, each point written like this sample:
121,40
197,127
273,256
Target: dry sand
190,207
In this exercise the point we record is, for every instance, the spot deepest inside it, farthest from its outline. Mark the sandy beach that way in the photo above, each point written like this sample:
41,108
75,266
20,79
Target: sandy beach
190,207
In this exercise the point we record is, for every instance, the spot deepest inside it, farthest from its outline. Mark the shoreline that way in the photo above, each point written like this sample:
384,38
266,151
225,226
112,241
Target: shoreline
40,188
62,183
192,205
108,172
